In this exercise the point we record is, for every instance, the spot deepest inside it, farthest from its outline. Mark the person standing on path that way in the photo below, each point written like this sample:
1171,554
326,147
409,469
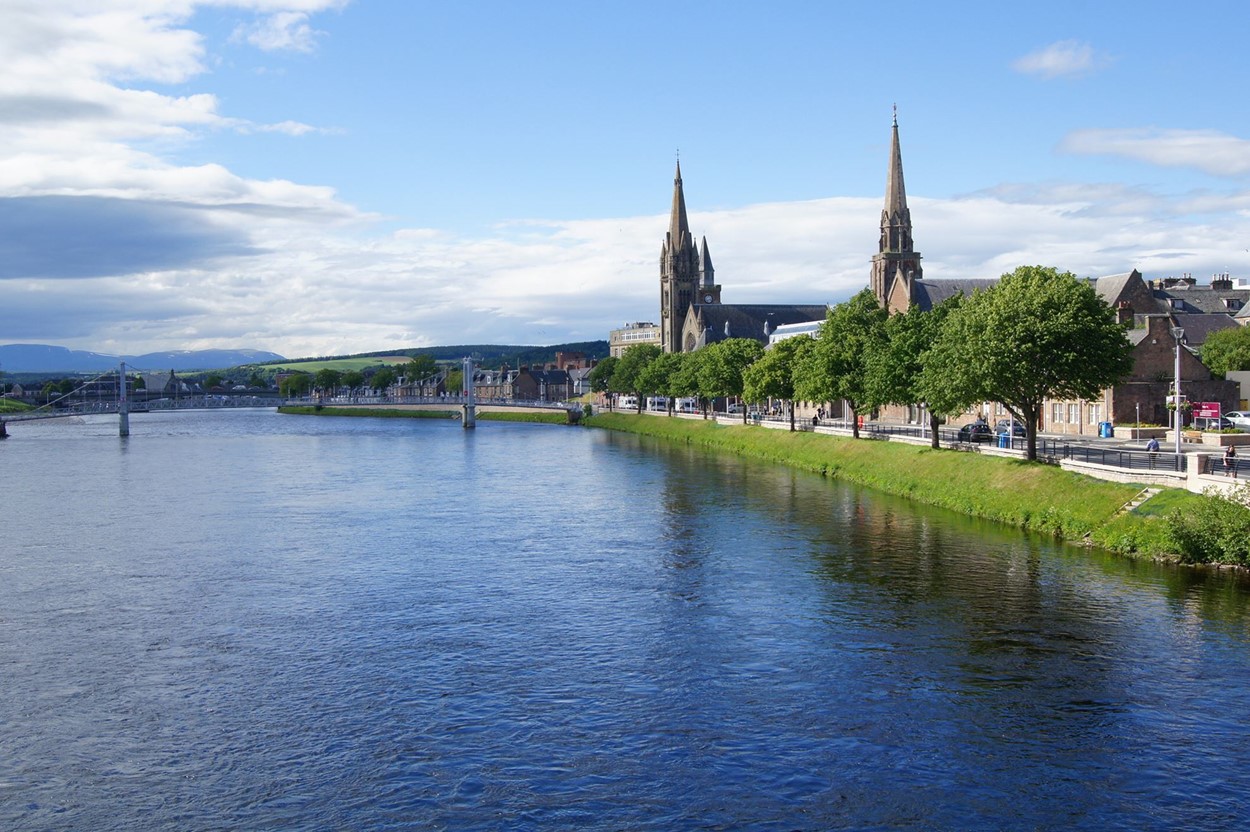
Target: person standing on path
1230,461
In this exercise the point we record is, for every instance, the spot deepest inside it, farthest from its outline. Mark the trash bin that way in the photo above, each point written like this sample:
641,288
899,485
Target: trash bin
1105,431
1004,440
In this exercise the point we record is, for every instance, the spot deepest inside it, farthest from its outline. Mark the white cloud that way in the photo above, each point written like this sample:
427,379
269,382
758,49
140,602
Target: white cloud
1210,151
1063,59
284,31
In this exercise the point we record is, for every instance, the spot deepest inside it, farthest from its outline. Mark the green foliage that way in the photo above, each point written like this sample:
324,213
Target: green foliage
1040,498
896,369
419,368
383,378
1038,334
1227,350
837,368
353,379
657,376
297,384
629,369
454,382
722,365
213,380
772,376
327,379
1216,530
601,374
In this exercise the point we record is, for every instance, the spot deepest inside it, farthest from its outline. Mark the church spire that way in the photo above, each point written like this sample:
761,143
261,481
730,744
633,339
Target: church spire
895,192
896,262
678,225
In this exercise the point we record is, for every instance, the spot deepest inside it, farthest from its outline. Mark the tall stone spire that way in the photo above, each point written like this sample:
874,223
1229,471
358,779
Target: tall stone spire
678,225
686,274
895,259
895,191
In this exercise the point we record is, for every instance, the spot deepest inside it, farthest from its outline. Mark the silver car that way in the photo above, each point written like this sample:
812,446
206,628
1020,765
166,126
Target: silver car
1239,418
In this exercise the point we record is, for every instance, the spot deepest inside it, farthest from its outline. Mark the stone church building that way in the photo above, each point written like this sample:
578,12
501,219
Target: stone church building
691,313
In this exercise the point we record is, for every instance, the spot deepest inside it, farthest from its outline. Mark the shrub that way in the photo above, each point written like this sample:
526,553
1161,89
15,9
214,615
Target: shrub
1215,530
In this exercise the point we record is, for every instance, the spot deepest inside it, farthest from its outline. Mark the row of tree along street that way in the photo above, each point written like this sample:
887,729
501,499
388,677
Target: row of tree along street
1037,334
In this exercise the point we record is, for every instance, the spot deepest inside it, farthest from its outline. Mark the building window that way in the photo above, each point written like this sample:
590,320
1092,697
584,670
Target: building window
1095,413
1074,416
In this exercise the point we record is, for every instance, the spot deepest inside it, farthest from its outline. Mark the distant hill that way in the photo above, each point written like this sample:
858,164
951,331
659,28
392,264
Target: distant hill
44,358
489,355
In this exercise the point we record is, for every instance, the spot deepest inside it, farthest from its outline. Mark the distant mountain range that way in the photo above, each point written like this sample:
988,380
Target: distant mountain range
44,358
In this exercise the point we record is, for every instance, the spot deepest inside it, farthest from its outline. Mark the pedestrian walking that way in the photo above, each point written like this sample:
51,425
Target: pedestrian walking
1153,448
1230,461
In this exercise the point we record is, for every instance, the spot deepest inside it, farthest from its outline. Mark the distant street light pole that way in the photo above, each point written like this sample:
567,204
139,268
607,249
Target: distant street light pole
1179,334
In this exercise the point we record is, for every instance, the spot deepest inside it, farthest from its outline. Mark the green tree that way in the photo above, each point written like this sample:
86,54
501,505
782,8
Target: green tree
454,383
327,380
382,379
212,380
297,384
1227,350
601,375
353,379
837,367
657,377
722,366
629,369
896,368
772,376
684,381
420,367
257,379
1038,334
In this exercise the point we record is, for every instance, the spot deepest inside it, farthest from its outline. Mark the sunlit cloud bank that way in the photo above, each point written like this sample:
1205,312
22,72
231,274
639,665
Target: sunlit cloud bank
306,286
110,246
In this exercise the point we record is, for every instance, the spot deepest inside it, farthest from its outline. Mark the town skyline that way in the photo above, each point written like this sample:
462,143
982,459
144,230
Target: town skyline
316,177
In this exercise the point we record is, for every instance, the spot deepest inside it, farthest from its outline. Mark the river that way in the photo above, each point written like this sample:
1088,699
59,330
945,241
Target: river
245,620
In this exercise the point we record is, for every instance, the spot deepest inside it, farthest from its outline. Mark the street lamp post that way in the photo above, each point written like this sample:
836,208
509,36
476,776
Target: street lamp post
1179,334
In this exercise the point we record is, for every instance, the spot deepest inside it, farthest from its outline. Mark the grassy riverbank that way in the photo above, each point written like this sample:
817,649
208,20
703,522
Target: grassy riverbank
545,417
1040,498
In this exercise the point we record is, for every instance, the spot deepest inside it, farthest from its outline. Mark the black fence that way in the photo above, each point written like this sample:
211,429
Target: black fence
1235,468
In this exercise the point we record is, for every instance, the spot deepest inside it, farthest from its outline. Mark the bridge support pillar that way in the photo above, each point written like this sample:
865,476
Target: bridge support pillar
469,420
123,406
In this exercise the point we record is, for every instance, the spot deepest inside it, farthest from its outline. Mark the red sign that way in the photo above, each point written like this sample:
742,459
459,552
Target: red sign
1207,410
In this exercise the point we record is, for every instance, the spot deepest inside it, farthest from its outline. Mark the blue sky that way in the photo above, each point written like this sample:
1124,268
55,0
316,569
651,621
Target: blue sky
319,176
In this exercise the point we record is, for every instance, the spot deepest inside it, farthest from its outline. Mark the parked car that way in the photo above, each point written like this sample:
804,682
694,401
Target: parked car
976,432
1005,425
1239,418
734,408
1207,423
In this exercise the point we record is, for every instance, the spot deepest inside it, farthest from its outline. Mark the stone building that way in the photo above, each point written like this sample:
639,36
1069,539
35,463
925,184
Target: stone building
692,314
686,273
641,332
1148,310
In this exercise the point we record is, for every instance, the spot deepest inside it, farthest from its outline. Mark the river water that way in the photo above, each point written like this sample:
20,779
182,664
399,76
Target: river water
246,620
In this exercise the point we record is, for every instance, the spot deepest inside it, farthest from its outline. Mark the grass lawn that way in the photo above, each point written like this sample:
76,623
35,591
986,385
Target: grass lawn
1041,498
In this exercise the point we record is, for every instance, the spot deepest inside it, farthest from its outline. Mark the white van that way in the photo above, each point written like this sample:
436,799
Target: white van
688,405
657,403
627,402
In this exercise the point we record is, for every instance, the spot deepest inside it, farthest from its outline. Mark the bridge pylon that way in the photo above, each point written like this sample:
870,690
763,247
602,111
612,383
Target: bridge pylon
469,420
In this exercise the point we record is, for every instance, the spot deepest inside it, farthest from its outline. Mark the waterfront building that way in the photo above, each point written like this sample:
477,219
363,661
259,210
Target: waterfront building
640,332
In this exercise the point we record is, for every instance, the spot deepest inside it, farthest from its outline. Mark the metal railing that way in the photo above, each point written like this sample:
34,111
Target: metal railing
1220,466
